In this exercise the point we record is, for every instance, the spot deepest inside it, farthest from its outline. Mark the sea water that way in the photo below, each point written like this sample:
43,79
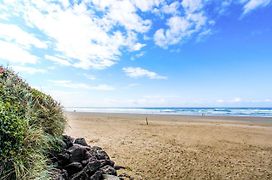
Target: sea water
215,111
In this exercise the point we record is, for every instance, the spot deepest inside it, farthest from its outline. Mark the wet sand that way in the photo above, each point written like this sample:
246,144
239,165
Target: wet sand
180,147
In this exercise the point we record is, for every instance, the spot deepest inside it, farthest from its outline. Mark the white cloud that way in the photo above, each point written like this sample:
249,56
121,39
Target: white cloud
10,32
194,20
82,86
147,5
137,46
171,8
182,27
58,60
16,54
236,100
230,101
191,6
140,54
137,72
28,70
90,76
124,14
178,28
253,4
95,34
220,101
78,36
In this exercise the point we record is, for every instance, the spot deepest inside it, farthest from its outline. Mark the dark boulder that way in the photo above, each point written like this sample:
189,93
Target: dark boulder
64,174
80,176
99,153
81,141
88,159
96,148
79,161
91,167
63,158
116,167
73,167
88,155
84,162
68,141
77,153
96,176
102,155
105,162
108,170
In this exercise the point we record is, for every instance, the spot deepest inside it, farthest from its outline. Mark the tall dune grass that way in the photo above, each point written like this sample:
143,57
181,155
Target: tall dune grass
31,124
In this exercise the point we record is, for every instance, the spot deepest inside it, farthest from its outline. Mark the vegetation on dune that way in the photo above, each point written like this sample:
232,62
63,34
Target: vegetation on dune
31,124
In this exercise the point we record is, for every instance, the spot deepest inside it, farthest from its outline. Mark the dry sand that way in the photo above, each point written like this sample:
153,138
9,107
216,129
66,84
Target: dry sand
180,147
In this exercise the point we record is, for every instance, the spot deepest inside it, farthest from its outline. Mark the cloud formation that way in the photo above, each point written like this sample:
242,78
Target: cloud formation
16,54
95,34
28,70
82,86
254,4
182,27
137,72
76,34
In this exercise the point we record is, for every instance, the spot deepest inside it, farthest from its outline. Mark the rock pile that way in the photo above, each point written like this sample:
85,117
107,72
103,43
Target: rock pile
79,161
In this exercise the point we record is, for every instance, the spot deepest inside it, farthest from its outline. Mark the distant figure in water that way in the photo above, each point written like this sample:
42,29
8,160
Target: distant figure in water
203,114
74,110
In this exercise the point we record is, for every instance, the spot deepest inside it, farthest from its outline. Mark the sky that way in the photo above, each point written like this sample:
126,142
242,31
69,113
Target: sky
142,53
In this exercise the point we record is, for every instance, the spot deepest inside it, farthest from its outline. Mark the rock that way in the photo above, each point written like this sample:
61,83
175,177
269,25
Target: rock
116,167
84,162
77,153
96,148
99,153
91,167
63,158
96,176
88,155
73,168
81,141
108,170
80,176
64,174
110,177
68,141
89,170
87,148
105,162
79,161
102,155
92,158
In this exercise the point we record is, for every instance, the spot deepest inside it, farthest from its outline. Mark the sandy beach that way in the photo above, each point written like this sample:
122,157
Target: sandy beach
180,147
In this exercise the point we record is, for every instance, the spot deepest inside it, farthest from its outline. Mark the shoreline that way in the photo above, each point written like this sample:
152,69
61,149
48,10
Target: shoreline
198,111
187,118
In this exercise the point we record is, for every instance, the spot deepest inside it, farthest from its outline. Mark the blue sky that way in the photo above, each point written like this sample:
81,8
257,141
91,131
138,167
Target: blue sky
142,53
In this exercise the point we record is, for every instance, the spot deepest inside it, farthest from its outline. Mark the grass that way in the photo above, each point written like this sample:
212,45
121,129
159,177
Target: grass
31,125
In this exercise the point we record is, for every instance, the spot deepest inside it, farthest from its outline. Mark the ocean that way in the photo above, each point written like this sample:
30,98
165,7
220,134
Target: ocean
216,111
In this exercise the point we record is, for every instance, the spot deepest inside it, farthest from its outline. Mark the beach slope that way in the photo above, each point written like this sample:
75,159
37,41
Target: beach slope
180,147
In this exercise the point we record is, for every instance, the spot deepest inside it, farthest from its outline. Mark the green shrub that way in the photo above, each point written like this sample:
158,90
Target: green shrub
31,124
